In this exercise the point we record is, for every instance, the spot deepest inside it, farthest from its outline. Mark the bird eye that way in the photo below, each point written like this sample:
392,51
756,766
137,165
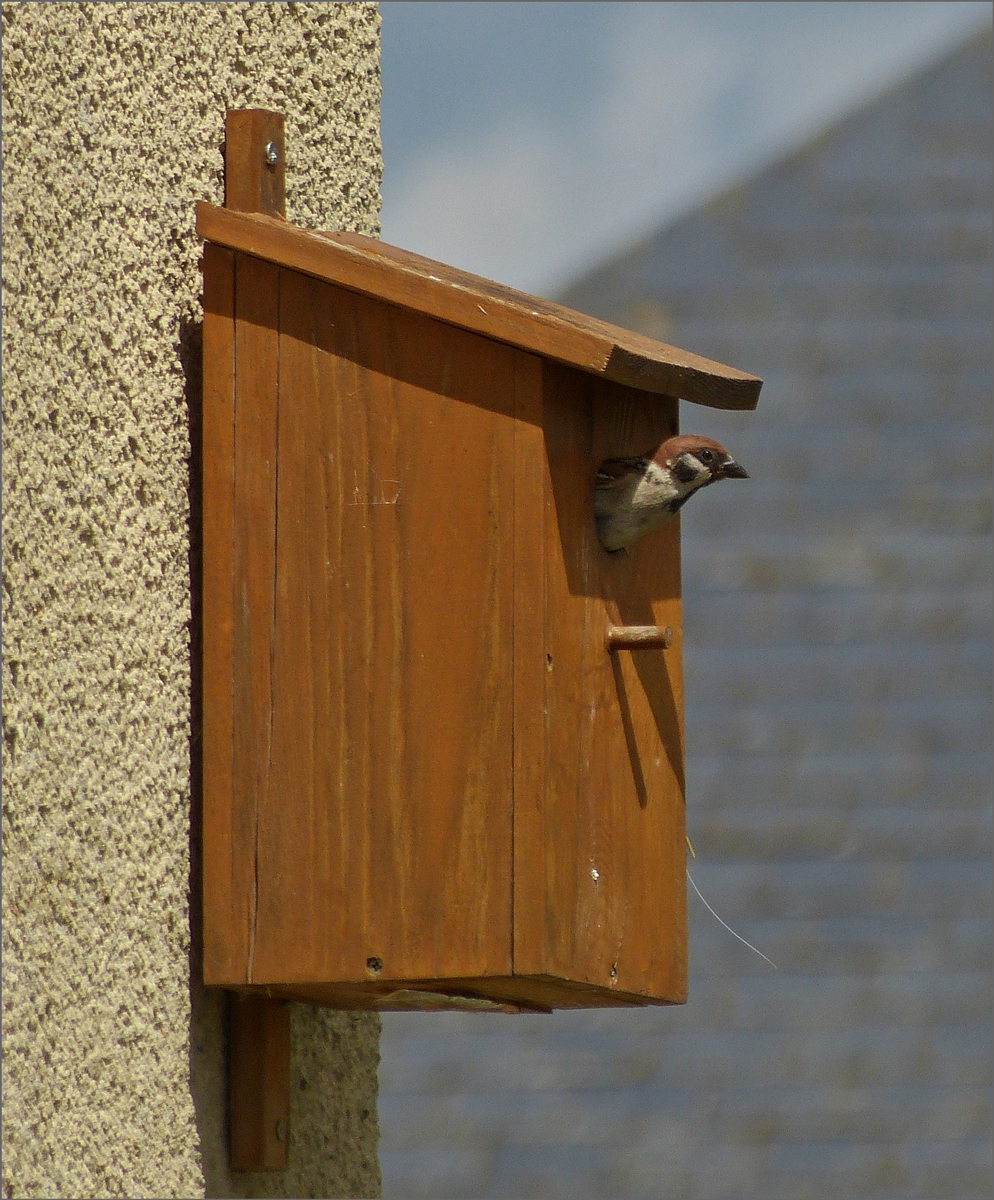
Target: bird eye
706,456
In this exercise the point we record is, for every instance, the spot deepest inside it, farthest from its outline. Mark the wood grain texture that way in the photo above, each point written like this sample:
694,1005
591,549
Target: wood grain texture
254,559
614,807
251,184
470,302
385,836
227,870
530,664
529,993
240,586
258,1082
440,775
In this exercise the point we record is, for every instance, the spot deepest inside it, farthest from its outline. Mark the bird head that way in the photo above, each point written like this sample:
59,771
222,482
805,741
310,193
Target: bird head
694,461
634,494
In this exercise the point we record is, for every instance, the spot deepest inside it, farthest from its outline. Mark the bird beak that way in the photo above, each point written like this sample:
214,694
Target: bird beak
730,469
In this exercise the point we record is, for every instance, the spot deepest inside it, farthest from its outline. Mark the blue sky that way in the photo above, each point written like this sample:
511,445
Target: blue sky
530,141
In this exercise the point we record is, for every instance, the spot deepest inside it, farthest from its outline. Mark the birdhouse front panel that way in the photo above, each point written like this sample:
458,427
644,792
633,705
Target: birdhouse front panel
601,835
443,736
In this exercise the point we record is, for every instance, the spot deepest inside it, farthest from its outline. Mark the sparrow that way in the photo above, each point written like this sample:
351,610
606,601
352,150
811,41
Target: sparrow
632,495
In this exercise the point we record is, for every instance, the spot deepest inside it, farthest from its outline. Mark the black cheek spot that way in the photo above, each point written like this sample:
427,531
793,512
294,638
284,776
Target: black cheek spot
684,471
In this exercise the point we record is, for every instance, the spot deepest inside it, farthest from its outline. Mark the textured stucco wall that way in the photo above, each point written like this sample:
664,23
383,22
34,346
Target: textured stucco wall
112,128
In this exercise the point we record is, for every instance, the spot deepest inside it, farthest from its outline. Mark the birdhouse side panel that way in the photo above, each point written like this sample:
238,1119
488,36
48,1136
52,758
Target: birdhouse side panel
228,837
385,840
230,883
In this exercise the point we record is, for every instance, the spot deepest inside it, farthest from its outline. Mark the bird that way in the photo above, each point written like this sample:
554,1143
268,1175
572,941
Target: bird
633,495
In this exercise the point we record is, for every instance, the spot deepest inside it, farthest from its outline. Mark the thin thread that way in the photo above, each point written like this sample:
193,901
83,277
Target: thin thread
728,927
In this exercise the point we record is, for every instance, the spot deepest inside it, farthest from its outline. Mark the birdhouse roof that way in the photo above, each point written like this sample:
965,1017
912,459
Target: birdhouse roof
366,265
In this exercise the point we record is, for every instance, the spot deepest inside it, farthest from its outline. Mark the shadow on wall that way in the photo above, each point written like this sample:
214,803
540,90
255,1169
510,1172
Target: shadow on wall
208,1037
331,1149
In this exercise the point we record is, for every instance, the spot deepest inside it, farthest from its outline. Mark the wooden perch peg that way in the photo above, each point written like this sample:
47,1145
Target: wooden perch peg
638,637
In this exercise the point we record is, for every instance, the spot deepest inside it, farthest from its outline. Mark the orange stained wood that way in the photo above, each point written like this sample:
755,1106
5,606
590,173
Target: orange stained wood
254,161
524,993
599,858
238,491
443,731
538,326
437,770
228,828
384,835
253,602
259,1082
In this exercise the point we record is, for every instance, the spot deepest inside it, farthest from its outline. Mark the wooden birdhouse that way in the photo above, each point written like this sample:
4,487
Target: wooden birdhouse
443,728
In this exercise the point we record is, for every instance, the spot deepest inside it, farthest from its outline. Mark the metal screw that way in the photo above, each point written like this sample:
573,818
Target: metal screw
272,154
280,1131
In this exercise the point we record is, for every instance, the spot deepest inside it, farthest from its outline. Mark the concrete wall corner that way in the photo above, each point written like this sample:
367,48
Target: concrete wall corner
113,120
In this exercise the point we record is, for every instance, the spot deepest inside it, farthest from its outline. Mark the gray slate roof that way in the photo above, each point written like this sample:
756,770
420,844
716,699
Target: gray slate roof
838,653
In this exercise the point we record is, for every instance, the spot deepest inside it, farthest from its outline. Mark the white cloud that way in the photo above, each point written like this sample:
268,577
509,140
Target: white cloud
688,98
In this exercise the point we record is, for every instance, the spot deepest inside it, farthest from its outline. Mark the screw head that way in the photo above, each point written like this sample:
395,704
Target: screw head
272,154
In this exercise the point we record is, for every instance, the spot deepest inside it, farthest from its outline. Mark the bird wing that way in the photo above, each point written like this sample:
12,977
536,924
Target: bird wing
613,470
